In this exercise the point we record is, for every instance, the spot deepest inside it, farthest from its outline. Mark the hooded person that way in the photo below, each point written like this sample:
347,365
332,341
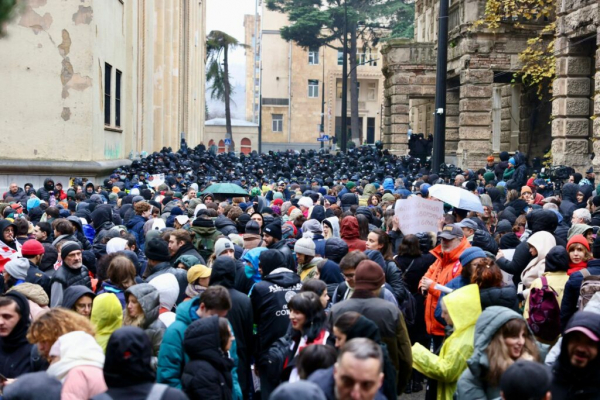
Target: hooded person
208,373
15,350
252,260
33,386
102,220
79,365
79,298
569,200
157,252
576,372
350,234
542,242
142,311
168,292
240,317
462,309
107,317
475,382
47,191
128,371
331,227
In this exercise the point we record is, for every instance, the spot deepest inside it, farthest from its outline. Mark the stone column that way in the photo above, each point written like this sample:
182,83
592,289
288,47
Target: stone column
596,124
395,131
571,106
475,119
452,100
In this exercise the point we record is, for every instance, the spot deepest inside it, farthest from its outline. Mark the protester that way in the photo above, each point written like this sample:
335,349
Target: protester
526,380
71,272
142,311
107,317
80,299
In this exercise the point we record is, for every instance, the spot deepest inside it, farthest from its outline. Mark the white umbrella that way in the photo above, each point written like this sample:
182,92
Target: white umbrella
456,197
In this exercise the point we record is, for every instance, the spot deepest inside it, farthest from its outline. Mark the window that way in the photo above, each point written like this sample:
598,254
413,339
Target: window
313,88
371,91
277,122
338,89
313,56
107,86
118,99
365,59
340,57
246,146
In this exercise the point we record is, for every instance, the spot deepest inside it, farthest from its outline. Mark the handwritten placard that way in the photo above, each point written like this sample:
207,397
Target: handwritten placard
416,214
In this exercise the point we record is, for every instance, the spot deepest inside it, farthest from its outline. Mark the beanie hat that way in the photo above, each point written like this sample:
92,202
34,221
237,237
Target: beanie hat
295,214
157,250
306,202
489,176
253,228
503,226
198,271
368,276
350,185
187,260
490,158
517,380
471,186
277,195
525,189
67,248
17,268
511,161
596,201
32,248
388,197
470,254
221,245
113,197
578,239
278,202
136,199
305,246
274,230
33,203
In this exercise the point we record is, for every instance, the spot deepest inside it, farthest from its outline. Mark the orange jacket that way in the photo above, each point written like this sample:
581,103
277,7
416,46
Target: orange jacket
442,271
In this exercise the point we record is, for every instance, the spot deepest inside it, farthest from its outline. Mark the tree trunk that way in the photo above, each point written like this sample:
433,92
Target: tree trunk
354,122
229,133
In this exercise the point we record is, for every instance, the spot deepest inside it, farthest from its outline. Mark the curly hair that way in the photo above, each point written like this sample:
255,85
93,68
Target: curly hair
51,325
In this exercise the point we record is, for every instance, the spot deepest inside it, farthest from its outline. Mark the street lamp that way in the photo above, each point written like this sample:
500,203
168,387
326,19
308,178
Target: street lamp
344,132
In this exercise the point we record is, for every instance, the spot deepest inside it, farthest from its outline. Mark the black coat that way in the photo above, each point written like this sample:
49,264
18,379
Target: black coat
37,277
240,317
569,201
419,267
207,375
269,306
393,275
485,241
499,296
15,350
595,218
284,249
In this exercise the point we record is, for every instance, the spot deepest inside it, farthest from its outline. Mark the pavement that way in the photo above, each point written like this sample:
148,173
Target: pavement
413,396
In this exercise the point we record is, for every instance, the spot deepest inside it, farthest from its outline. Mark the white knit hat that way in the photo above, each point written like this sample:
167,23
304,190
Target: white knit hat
305,201
305,246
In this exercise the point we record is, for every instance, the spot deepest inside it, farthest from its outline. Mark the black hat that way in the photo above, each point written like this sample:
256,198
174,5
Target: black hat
274,230
157,250
253,228
68,248
525,380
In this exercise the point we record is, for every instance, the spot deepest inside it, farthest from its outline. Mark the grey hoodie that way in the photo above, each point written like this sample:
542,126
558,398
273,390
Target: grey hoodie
147,296
471,384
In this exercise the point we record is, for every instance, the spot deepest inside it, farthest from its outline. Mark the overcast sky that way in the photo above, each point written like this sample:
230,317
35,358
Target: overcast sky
228,16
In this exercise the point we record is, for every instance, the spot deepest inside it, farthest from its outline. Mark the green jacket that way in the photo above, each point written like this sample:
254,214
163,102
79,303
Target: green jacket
464,307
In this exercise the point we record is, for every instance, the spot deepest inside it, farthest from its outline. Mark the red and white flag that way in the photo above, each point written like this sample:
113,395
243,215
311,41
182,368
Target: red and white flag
7,254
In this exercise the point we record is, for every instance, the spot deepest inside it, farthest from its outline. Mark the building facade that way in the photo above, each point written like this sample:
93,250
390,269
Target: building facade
487,110
298,86
93,83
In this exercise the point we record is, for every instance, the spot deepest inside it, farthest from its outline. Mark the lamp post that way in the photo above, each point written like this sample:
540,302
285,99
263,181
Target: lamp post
439,136
342,140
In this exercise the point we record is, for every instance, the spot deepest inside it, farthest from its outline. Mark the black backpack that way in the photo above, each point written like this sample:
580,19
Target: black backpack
273,360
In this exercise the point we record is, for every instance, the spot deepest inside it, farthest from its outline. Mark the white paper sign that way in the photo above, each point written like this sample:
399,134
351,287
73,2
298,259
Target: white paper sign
156,180
416,214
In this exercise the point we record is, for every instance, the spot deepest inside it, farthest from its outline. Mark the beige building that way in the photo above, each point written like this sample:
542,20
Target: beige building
88,84
244,135
295,82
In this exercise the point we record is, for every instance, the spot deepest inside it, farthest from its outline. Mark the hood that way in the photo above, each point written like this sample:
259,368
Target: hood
128,358
74,293
518,205
223,272
350,228
77,349
270,260
33,386
584,319
542,220
578,229
494,194
186,311
225,225
49,184
288,280
107,315
586,190
4,223
375,255
366,211
464,307
318,213
594,304
203,342
348,200
335,249
17,337
569,192
557,260
330,273
167,288
75,220
191,208
148,297
364,328
543,243
101,215
252,257
33,292
388,184
487,325
370,189
334,222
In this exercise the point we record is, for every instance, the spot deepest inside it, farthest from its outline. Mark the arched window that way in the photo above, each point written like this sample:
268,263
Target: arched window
246,146
211,143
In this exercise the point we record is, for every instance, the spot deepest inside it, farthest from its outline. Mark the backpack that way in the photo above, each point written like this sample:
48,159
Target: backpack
409,306
589,286
272,362
204,245
544,312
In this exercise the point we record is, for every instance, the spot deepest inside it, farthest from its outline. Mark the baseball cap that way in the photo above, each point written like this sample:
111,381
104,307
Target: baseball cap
587,332
451,231
467,223
198,271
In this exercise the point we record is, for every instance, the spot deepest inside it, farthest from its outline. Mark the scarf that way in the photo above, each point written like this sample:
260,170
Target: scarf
576,267
194,290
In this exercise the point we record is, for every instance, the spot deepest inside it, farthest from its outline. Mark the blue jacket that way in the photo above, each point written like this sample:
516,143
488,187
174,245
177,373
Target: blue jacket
135,226
454,284
568,306
172,357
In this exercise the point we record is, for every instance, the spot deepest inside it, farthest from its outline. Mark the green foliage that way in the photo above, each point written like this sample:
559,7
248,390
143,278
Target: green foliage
218,45
7,10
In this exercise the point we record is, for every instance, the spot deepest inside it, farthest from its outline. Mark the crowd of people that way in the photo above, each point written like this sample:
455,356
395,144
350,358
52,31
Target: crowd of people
304,286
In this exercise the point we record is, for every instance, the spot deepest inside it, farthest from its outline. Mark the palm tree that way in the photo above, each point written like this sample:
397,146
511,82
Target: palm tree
218,45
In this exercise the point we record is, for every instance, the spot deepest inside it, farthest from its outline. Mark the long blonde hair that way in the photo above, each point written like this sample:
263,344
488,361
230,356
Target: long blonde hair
498,354
128,320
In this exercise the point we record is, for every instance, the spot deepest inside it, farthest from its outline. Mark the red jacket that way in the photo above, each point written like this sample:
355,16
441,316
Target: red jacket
350,234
